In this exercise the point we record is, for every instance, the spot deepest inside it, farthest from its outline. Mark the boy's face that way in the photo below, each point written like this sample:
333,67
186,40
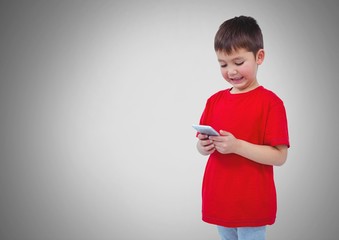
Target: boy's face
240,68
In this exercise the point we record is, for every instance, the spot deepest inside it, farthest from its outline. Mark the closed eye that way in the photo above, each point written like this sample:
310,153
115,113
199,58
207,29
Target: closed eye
239,63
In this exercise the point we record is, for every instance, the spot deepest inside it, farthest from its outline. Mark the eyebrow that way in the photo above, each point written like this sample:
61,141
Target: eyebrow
233,59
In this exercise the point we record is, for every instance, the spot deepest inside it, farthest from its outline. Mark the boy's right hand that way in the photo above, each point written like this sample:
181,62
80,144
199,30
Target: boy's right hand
205,145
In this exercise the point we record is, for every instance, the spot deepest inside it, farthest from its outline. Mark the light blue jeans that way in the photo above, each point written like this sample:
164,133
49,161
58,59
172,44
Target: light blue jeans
242,233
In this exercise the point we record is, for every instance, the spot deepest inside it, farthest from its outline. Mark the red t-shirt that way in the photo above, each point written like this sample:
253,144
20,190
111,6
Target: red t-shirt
236,191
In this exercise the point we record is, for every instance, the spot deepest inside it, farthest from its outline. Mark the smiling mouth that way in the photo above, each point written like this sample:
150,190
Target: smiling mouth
237,79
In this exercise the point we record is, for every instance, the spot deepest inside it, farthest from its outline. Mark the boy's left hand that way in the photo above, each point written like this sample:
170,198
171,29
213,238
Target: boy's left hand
225,143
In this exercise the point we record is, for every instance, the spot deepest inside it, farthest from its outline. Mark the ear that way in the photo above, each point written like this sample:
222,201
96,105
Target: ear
260,56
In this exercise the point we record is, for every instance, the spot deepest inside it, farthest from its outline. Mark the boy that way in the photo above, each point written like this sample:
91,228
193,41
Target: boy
238,192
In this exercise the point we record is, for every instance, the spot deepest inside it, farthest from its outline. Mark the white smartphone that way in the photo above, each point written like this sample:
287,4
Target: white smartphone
205,129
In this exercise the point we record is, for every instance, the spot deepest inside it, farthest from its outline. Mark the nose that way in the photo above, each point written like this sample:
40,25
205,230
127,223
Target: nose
232,72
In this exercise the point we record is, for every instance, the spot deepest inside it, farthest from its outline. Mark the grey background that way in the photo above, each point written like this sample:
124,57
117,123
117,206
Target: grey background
97,99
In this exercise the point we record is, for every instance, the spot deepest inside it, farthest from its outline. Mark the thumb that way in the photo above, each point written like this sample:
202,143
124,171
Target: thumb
224,133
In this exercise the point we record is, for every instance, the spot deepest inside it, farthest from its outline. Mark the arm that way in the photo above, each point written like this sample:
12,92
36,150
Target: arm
263,154
269,155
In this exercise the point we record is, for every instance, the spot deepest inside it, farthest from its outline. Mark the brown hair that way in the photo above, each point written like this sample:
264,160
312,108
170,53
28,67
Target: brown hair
239,32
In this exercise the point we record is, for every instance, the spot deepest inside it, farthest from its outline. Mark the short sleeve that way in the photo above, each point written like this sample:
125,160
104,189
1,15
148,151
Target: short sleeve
203,117
277,127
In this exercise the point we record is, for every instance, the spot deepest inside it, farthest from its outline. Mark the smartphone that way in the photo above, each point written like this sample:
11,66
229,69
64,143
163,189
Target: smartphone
205,129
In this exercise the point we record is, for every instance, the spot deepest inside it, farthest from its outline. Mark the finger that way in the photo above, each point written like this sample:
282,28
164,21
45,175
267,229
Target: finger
217,138
206,142
209,148
218,143
202,136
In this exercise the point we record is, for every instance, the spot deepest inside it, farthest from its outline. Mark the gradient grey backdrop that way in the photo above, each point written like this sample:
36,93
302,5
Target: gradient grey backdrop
97,99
